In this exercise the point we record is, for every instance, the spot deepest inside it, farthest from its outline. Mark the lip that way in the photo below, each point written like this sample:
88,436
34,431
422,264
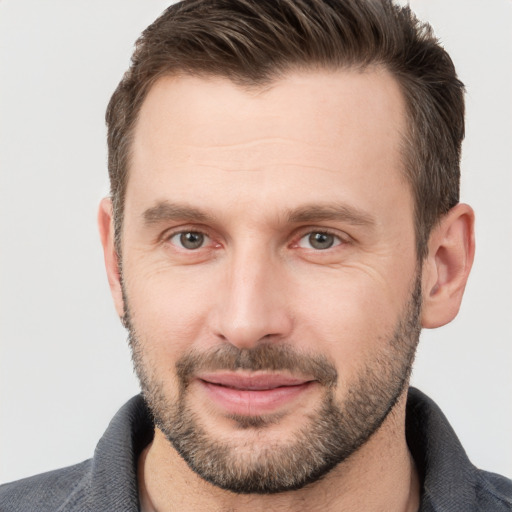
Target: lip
252,394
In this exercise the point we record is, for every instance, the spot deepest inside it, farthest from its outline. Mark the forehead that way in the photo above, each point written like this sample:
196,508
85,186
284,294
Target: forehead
324,128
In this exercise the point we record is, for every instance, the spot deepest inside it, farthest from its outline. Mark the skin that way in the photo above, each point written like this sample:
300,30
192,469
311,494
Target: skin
245,159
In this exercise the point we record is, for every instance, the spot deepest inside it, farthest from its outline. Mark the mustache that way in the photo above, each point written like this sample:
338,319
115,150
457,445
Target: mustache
264,357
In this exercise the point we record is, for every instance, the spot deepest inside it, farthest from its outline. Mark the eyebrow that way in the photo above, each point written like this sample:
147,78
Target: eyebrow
331,212
165,211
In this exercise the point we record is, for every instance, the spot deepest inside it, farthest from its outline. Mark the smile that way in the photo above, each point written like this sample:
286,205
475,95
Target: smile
252,395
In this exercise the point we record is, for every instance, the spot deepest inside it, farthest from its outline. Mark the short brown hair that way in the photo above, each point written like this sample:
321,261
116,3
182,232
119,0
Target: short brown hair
254,42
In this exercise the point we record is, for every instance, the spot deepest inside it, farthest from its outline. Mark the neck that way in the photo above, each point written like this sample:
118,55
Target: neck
381,475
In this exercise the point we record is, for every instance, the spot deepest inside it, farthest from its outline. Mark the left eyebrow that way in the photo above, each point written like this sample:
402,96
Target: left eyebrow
333,212
165,211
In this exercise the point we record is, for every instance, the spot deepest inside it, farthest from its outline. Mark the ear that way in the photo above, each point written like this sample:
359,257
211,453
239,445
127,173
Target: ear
106,227
451,250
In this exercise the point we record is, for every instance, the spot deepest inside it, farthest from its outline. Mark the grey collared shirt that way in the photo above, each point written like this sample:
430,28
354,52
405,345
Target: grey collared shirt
108,481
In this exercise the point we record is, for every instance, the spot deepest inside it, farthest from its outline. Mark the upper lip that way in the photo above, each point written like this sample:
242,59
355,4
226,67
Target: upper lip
252,382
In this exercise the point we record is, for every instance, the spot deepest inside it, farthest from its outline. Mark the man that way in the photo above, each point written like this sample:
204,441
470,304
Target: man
284,219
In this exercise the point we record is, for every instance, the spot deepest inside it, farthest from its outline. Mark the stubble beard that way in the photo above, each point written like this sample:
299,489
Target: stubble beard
329,435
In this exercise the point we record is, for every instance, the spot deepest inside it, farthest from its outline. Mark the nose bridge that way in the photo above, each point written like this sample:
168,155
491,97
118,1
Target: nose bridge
253,305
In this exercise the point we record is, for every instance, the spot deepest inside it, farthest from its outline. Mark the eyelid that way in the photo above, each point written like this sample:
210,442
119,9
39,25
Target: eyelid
166,236
340,235
204,240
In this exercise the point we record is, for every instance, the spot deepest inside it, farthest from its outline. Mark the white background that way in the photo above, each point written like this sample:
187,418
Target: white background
64,365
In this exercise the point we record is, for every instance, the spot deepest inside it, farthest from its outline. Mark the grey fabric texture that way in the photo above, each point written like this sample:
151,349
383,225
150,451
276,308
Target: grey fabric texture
108,481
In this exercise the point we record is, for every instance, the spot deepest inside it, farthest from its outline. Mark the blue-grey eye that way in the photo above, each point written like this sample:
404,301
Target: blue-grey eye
319,241
189,239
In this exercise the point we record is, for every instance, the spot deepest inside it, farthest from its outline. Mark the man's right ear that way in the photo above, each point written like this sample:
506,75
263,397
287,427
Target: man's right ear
106,227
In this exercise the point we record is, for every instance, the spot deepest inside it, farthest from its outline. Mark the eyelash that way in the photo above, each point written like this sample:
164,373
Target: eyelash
168,236
339,239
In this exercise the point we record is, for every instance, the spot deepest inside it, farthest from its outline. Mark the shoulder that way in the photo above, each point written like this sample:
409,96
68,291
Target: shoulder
494,492
450,480
53,491
108,481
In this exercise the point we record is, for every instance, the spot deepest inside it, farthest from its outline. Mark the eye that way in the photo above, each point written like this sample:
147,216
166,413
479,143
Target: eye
189,240
319,240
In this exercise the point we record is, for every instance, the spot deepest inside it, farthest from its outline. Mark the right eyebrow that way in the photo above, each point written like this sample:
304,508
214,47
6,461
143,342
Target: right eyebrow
165,211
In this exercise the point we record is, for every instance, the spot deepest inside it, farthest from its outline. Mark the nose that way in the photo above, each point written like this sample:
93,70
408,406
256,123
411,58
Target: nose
253,306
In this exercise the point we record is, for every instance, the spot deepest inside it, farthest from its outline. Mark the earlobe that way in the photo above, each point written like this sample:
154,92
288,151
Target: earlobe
446,268
106,228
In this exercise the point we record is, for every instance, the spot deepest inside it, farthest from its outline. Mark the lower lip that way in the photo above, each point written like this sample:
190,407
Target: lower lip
252,402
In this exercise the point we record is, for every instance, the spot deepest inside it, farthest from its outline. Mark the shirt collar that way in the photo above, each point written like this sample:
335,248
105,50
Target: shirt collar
447,474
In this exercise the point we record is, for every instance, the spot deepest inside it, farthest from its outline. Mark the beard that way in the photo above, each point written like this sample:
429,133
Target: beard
329,434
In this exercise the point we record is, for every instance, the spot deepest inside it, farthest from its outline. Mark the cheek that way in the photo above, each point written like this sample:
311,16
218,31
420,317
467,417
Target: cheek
350,318
169,309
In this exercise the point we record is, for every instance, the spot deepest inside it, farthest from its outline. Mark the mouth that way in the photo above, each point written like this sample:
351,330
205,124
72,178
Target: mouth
253,394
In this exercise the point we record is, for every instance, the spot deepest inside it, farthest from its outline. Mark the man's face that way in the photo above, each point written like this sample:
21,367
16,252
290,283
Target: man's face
269,270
